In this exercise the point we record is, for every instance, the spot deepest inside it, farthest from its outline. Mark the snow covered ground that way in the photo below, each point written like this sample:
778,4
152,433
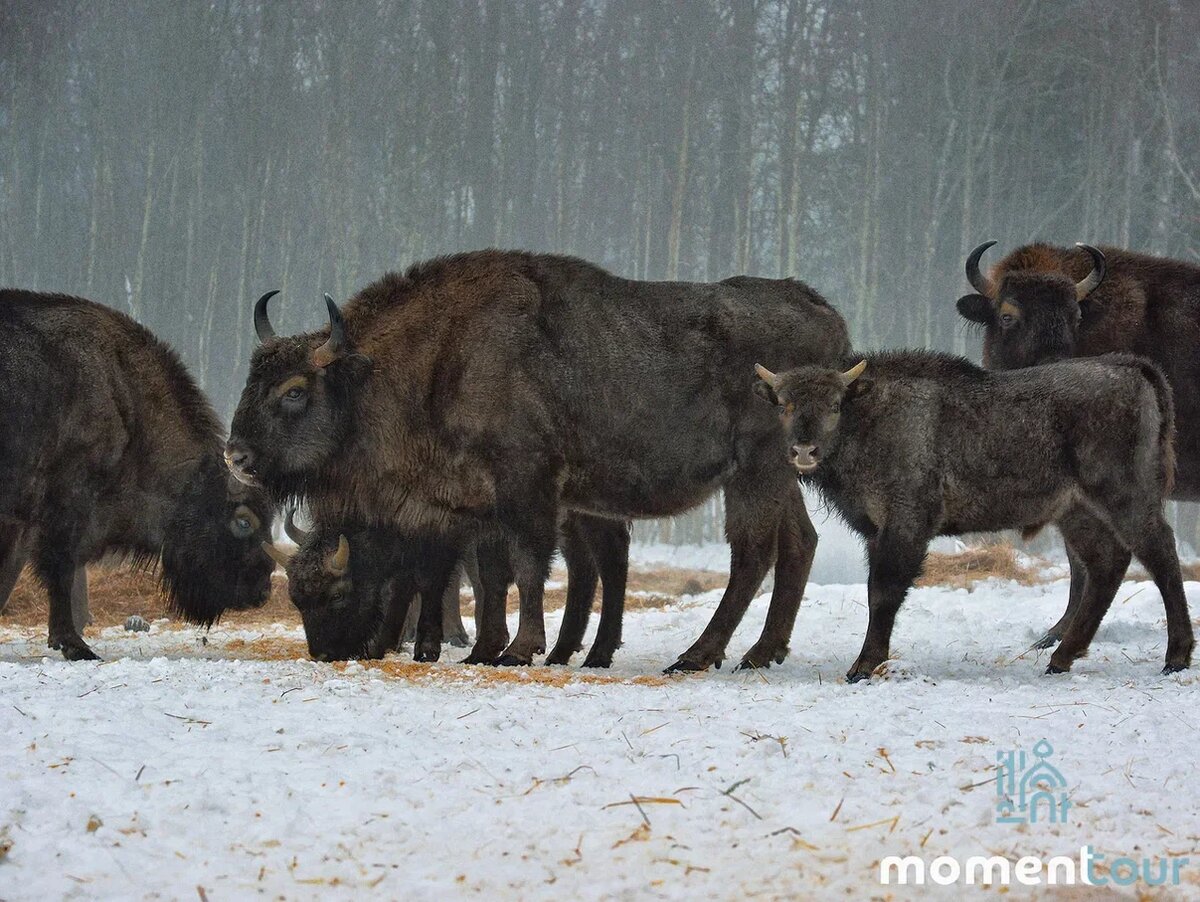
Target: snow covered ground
177,769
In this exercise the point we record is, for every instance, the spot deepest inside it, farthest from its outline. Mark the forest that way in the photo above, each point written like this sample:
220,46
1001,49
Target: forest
175,161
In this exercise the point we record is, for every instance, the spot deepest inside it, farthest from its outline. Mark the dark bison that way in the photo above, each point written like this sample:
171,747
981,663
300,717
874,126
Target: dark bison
1042,303
507,388
453,630
111,448
927,444
353,593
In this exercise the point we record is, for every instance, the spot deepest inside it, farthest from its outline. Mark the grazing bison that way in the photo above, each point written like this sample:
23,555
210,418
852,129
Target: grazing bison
453,630
1043,303
926,444
353,593
502,389
111,448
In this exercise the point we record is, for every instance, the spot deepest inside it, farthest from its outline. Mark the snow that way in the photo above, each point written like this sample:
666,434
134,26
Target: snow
198,766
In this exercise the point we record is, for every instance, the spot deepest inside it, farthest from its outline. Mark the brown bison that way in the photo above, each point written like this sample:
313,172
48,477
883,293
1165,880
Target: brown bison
1042,303
925,444
503,389
111,448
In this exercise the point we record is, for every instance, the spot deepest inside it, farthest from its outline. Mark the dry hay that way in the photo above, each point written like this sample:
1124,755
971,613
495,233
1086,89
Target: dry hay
116,592
963,569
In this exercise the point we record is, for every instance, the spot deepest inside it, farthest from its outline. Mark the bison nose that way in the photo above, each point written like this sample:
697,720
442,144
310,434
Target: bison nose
238,458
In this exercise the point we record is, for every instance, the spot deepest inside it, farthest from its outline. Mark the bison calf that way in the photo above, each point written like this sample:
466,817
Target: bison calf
927,444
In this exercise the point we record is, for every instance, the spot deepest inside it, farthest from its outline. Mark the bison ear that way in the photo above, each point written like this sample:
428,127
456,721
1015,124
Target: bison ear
976,308
859,387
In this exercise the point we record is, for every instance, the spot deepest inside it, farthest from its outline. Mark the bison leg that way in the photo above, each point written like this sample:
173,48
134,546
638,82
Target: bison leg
56,566
895,557
752,515
80,614
470,566
1154,545
453,630
1104,561
582,578
397,599
1080,531
797,544
609,542
491,601
532,542
14,551
438,571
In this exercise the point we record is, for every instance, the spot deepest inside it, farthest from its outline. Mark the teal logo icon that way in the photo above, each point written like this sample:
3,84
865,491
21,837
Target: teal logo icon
1029,789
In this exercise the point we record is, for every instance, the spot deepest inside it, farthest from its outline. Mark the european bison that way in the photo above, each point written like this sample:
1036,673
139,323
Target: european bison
927,444
109,447
502,388
353,592
1042,303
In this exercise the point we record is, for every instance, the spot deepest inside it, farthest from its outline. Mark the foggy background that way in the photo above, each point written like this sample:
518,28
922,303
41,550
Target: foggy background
177,159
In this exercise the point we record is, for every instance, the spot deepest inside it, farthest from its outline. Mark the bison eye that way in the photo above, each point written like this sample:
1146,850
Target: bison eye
295,393
241,527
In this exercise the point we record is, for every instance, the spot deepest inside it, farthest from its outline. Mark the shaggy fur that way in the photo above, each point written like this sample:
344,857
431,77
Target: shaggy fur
111,448
507,388
926,444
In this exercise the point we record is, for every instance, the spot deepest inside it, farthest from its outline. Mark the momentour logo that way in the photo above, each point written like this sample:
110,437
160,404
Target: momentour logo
1031,870
1030,790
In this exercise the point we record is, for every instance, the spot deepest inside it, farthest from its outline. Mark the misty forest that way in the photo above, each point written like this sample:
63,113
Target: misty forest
177,164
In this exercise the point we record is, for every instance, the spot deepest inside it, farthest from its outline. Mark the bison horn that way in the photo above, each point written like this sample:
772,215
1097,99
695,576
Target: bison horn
854,372
339,562
766,375
262,323
281,556
1095,277
978,280
332,349
294,532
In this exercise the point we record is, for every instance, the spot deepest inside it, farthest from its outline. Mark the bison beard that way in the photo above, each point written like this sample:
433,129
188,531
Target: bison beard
506,389
111,448
926,444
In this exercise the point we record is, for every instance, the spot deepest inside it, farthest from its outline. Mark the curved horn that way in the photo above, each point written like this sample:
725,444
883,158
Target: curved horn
766,375
1095,277
978,280
281,556
854,372
339,562
294,532
262,323
332,349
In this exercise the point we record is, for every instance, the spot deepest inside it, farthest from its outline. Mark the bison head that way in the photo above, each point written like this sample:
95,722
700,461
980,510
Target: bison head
342,598
295,409
809,400
212,558
1029,316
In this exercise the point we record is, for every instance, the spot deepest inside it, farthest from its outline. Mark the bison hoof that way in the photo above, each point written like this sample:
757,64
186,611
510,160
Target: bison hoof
1048,641
857,676
480,657
595,659
458,641
74,649
558,658
511,660
1053,668
1174,668
683,665
427,655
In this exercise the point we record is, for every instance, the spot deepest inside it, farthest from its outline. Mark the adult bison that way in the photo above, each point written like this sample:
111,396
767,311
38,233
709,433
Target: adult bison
110,447
507,388
1042,303
927,444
